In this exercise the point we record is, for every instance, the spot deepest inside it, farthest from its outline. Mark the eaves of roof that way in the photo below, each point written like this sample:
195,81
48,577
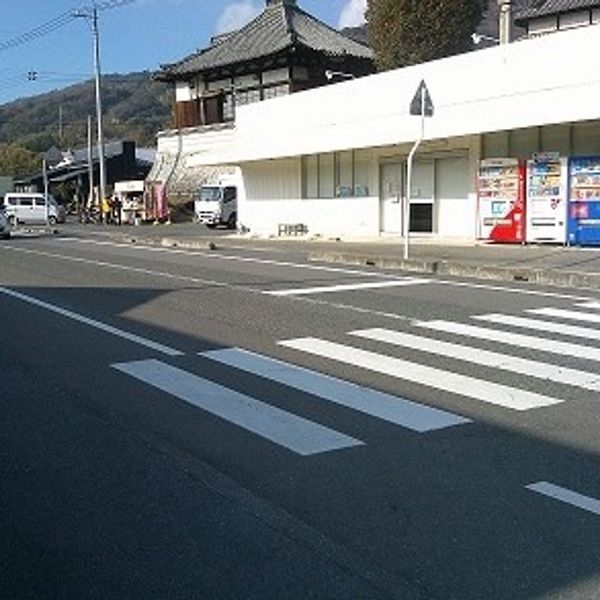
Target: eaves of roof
543,8
277,28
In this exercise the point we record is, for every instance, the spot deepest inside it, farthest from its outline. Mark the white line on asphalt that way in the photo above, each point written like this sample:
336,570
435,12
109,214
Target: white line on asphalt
213,255
208,282
592,304
392,409
492,393
546,326
513,339
280,427
347,287
244,259
497,288
478,356
567,496
559,313
92,323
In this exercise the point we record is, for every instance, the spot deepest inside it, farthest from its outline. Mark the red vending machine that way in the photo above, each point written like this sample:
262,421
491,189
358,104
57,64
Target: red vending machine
501,200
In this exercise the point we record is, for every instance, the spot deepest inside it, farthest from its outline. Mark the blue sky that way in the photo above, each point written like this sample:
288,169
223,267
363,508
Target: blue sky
134,37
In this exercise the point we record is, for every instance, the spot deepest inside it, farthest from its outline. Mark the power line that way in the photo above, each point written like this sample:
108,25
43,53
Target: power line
58,22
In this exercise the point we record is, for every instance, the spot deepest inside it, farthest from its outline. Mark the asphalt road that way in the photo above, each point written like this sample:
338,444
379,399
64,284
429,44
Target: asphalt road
440,442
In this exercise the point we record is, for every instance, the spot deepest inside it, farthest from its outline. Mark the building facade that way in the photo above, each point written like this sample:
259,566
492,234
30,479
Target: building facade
325,162
282,51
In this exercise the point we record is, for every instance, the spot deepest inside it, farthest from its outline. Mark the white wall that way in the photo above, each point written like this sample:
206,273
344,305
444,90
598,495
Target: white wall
550,79
273,192
456,206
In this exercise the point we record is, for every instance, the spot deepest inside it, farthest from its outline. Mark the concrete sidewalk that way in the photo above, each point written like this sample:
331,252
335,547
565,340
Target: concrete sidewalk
540,264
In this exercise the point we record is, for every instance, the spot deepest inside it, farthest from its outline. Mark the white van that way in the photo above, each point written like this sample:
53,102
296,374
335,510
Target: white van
30,208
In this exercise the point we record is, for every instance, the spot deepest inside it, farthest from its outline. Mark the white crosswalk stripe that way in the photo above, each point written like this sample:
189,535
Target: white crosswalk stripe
513,339
591,304
485,391
538,325
506,362
560,313
392,409
283,428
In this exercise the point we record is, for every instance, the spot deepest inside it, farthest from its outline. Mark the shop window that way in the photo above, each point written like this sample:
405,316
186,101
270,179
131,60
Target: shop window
361,173
336,174
344,177
310,176
326,175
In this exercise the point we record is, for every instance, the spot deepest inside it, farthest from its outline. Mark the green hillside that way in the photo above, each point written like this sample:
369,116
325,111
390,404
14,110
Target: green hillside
134,108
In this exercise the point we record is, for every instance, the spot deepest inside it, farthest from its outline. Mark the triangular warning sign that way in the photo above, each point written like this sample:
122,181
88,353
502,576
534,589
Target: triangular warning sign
421,103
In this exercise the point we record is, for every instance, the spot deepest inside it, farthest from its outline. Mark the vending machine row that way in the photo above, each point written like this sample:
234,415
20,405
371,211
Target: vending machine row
547,199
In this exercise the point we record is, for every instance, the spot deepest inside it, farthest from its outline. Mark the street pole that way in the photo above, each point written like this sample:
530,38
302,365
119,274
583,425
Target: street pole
406,211
96,35
90,158
46,207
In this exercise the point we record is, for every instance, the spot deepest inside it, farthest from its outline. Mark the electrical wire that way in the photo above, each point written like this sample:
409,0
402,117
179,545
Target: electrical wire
58,22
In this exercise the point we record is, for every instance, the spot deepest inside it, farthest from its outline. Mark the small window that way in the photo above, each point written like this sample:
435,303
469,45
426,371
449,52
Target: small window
229,194
40,202
26,201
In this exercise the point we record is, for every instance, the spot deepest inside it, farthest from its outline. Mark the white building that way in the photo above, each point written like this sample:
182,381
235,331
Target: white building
334,158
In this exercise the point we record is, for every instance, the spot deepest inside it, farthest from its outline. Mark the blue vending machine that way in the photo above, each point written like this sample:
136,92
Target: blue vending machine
584,201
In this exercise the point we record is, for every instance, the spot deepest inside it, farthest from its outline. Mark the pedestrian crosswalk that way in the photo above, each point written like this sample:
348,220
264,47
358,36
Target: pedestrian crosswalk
436,355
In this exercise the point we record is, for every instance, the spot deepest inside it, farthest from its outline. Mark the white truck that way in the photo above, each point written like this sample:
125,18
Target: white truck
216,205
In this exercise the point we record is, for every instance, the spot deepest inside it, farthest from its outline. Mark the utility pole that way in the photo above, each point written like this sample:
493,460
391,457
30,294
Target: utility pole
90,164
92,17
96,34
505,20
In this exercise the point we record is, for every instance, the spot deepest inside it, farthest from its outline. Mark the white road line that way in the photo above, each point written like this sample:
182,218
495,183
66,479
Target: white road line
537,325
559,313
92,323
513,339
492,393
567,496
278,426
478,356
213,255
592,304
243,259
347,287
392,409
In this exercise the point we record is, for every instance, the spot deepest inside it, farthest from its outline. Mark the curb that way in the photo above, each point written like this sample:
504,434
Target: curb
538,276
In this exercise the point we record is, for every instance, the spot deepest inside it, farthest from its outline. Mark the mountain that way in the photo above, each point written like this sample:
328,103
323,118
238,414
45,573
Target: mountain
134,108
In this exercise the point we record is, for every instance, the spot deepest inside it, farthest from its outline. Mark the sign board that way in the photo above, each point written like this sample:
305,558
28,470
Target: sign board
416,107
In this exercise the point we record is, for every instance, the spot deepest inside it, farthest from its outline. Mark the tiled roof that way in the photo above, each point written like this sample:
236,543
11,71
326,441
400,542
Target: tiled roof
542,8
280,26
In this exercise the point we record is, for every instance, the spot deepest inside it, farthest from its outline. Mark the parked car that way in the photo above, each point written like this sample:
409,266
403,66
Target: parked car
30,208
4,226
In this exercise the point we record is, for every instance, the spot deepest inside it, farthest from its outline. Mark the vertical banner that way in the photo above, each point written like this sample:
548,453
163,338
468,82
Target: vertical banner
159,197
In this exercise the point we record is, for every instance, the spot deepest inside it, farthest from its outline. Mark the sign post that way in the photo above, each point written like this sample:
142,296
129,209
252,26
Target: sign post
421,105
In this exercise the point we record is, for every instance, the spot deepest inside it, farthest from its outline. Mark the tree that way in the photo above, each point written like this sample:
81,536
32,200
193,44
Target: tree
407,32
16,161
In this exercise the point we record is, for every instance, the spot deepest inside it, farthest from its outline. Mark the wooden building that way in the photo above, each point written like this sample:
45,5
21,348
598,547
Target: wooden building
282,51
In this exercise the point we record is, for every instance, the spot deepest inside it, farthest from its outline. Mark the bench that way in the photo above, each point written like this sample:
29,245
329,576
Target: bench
291,229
